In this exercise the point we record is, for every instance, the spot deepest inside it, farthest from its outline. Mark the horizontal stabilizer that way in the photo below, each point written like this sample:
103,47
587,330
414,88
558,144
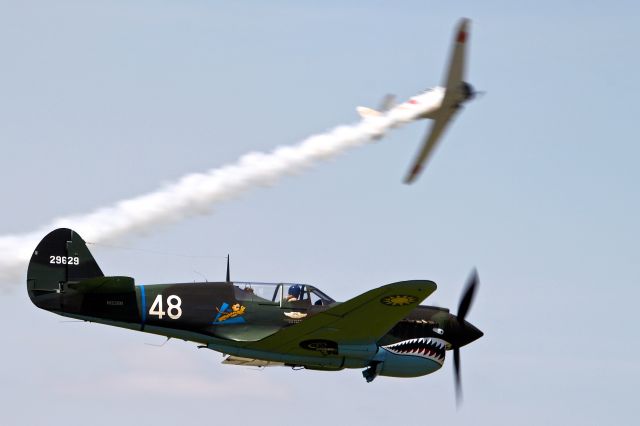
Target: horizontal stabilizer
388,102
365,112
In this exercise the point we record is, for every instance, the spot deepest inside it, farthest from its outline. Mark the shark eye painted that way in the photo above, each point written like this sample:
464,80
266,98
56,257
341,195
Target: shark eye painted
438,330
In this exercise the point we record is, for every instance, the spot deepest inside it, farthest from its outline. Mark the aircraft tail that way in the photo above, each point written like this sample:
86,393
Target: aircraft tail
386,104
60,258
365,112
63,277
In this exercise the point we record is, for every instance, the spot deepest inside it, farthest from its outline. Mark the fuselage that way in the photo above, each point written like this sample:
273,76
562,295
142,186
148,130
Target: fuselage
225,316
249,320
424,105
429,103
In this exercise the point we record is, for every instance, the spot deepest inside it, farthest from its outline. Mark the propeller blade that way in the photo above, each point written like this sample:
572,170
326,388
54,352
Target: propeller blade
456,372
467,297
463,308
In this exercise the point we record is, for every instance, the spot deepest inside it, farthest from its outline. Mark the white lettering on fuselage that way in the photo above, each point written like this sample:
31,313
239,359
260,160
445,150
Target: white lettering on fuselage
174,311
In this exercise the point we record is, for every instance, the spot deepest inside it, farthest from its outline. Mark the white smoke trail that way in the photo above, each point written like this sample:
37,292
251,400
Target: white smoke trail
195,193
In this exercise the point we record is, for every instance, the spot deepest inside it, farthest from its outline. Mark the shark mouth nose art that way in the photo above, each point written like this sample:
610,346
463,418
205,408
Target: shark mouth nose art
425,347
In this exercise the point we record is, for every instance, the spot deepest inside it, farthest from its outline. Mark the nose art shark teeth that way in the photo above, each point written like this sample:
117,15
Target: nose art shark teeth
430,348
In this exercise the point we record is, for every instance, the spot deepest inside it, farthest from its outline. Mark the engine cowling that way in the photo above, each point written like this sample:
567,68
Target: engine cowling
468,92
412,358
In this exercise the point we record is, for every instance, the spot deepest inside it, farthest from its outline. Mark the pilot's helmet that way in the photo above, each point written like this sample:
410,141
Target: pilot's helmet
295,291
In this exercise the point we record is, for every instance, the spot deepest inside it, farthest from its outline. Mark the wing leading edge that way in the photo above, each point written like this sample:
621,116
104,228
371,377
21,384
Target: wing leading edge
437,128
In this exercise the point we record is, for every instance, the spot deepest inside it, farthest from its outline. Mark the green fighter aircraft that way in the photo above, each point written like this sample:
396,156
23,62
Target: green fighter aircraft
383,331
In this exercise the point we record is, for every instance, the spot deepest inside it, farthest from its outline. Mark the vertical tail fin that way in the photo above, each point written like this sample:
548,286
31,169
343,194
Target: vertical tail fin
61,257
387,103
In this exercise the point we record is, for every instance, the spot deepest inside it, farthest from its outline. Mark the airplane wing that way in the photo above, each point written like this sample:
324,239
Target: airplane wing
455,73
437,128
361,320
453,79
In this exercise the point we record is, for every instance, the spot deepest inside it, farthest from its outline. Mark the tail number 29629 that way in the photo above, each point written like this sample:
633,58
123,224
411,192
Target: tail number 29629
64,260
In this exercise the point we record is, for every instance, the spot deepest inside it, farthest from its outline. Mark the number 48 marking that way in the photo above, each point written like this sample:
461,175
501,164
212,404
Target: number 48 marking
174,311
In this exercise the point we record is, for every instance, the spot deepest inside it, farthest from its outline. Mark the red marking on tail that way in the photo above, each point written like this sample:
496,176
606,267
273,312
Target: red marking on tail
462,37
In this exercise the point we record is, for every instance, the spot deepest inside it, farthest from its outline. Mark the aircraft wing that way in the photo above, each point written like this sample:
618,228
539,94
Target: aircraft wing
455,73
361,320
453,79
437,128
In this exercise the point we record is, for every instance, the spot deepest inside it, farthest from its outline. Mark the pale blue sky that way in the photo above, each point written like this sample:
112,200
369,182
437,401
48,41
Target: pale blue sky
535,184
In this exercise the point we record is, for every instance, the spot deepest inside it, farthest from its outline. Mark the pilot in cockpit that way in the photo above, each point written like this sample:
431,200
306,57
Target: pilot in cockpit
294,293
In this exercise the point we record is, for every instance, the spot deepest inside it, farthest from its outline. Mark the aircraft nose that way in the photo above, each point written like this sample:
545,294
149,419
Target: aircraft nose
469,91
462,333
470,333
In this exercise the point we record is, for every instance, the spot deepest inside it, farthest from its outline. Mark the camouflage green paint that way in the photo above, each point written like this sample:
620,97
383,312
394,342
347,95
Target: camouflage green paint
64,278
